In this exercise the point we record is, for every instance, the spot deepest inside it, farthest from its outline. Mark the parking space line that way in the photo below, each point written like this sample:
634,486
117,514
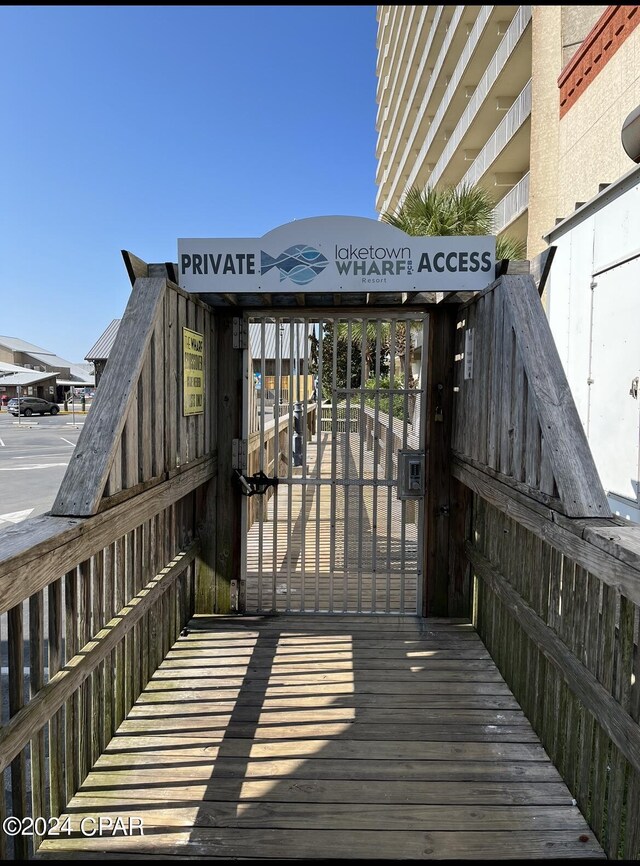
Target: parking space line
2,444
66,440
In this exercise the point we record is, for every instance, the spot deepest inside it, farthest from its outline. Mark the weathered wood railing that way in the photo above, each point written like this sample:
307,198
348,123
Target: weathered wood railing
556,580
90,607
93,595
557,603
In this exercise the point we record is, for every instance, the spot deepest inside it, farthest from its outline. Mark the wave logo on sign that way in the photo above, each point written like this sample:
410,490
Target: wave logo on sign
299,263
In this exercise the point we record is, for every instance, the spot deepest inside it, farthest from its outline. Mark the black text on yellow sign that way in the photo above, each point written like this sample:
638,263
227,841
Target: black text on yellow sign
193,372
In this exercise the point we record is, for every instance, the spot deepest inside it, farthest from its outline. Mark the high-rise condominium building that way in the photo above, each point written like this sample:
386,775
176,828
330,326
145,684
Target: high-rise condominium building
455,98
531,101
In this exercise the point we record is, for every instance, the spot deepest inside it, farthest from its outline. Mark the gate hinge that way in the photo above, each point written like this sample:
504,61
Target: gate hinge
240,333
239,454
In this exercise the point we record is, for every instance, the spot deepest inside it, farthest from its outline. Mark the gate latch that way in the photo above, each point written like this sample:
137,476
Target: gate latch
258,483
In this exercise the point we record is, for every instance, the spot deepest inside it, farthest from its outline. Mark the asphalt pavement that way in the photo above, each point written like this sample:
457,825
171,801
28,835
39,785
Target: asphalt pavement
34,455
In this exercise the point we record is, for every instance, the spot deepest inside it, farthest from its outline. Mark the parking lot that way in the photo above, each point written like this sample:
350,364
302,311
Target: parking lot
33,457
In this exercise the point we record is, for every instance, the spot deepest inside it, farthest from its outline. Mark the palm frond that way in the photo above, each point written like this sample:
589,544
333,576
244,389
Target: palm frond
452,210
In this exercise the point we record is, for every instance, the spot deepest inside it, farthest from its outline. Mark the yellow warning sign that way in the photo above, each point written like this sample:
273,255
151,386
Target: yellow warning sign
193,371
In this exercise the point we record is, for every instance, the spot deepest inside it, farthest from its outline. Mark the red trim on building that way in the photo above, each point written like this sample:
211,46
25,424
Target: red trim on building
598,47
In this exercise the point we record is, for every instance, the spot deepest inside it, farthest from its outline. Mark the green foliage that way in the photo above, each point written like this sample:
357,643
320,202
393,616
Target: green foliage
452,210
341,363
397,400
510,248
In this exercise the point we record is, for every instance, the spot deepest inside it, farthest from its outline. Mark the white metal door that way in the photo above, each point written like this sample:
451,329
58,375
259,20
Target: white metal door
613,422
326,418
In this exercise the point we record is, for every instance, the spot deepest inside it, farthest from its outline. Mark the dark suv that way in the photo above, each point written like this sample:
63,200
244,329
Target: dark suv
31,406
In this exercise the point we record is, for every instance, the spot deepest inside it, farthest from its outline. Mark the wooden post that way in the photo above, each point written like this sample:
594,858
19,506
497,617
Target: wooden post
205,580
442,325
229,417
459,533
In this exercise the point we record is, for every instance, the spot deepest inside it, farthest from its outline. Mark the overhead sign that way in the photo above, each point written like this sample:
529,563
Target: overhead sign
336,254
193,372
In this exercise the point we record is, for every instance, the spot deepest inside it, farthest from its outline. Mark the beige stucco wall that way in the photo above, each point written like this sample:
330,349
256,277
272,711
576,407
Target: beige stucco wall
572,156
546,65
576,23
589,148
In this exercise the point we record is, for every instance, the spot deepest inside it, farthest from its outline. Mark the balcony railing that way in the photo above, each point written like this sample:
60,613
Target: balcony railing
515,202
418,78
496,65
456,77
504,132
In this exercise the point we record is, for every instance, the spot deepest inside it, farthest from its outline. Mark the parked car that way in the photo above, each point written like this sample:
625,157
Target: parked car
31,406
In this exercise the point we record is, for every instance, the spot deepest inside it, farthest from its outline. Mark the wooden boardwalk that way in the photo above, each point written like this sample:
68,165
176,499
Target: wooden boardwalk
346,545
327,737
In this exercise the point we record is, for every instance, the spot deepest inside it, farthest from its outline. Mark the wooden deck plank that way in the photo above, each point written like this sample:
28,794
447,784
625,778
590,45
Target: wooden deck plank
225,727
343,791
328,737
348,750
227,843
324,816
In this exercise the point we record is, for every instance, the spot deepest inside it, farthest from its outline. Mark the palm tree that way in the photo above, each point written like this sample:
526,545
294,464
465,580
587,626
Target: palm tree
367,346
452,210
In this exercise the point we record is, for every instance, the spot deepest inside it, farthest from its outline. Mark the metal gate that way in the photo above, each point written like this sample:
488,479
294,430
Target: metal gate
334,413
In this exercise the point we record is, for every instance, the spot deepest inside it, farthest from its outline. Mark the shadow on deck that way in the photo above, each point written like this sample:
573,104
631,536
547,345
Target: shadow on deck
327,737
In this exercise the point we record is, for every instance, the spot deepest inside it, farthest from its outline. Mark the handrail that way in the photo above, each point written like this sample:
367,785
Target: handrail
36,552
556,601
32,718
114,590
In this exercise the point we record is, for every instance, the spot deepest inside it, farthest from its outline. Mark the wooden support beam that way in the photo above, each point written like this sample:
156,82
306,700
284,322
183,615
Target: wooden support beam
540,267
573,466
86,476
135,267
228,502
461,500
439,395
514,267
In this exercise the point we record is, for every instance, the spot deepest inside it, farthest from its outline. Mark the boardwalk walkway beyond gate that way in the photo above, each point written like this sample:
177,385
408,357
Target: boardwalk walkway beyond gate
327,737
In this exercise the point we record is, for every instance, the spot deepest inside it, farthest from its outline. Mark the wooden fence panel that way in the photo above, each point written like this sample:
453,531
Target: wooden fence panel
562,622
136,433
515,418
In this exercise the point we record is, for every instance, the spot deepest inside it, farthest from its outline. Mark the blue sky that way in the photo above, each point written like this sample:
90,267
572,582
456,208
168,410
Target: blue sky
128,127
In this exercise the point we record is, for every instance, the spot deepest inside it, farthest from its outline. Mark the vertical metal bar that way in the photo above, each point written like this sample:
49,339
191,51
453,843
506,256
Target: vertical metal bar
425,324
265,502
305,434
376,458
363,428
389,453
334,442
276,459
319,443
405,421
292,384
245,504
346,470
